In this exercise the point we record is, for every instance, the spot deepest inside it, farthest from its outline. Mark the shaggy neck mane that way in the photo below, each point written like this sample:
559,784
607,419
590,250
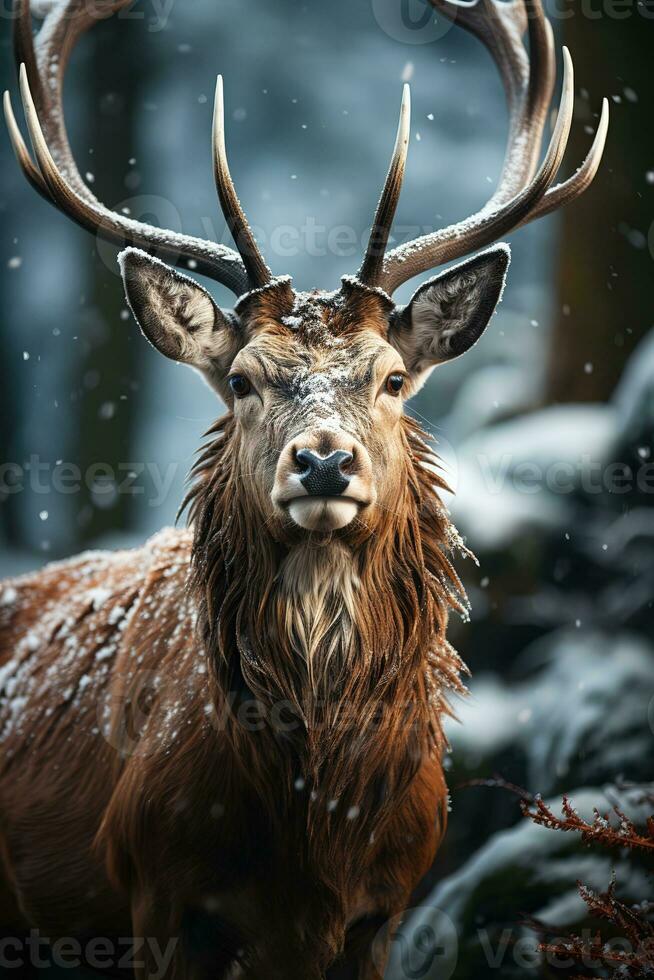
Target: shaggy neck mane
340,644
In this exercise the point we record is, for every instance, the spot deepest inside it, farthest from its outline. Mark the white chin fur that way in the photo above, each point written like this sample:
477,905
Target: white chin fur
322,513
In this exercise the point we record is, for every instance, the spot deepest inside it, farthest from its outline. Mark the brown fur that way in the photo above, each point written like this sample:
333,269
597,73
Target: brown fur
240,724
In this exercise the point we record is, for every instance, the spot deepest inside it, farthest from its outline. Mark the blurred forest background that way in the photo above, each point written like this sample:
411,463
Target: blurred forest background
546,428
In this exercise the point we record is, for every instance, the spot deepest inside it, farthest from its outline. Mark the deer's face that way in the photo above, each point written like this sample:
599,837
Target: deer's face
317,382
320,425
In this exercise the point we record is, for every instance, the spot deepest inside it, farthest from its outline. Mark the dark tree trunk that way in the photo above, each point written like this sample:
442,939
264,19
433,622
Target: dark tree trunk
9,532
606,260
107,386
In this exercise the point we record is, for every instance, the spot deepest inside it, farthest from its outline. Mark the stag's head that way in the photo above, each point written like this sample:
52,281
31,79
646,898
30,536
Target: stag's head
316,382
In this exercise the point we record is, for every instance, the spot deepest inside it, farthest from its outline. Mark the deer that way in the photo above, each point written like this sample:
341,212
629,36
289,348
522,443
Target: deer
233,736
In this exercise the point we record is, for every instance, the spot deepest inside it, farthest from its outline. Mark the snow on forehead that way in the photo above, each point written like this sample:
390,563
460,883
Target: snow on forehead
310,317
318,387
324,362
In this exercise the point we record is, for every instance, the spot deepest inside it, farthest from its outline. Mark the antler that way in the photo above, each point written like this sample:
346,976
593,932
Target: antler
523,193
381,227
257,269
43,62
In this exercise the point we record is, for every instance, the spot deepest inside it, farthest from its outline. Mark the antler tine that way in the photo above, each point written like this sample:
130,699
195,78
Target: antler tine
56,175
21,152
528,81
487,225
216,261
253,260
381,228
569,189
531,102
46,59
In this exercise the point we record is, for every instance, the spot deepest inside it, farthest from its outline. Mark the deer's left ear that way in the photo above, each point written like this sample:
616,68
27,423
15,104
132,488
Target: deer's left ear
449,313
177,315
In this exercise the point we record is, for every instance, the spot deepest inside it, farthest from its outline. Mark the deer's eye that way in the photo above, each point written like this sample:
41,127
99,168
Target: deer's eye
240,385
394,383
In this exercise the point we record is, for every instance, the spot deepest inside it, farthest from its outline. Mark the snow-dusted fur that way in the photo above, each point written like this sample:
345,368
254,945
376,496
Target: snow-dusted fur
232,737
237,728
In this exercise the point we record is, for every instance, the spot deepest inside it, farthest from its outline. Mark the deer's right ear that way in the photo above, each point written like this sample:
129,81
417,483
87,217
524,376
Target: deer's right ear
176,314
447,315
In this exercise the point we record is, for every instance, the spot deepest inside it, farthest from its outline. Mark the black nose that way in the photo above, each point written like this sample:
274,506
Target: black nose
323,476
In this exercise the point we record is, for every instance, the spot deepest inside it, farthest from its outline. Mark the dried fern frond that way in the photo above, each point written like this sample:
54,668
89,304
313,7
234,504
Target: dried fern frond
613,829
630,922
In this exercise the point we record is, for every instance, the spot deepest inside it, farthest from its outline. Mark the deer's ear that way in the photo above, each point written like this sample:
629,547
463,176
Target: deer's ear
175,314
449,313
